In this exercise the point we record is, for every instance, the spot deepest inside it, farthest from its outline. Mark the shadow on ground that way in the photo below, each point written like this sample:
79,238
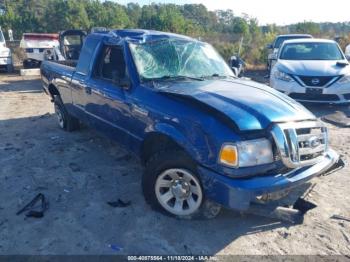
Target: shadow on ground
321,110
79,172
337,114
12,83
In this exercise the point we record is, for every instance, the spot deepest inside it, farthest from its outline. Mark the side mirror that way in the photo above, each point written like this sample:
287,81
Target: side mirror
269,46
125,82
274,56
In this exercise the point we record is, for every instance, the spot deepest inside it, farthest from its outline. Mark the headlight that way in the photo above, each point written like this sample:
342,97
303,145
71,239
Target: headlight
282,76
344,80
247,153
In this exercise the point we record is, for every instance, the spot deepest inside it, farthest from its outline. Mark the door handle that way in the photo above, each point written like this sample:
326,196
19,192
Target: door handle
83,85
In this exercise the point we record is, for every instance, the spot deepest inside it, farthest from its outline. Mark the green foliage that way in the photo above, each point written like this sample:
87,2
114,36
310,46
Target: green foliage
240,26
76,15
307,28
226,31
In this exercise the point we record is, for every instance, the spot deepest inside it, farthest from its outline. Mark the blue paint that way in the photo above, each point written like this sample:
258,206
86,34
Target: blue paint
198,115
115,247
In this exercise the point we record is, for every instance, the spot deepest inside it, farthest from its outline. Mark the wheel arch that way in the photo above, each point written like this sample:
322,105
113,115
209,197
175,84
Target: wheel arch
53,91
166,137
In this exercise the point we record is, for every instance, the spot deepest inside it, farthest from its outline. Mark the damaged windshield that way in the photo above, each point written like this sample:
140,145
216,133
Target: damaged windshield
174,59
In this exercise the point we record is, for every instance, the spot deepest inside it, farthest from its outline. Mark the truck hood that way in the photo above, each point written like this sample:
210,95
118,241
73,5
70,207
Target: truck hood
313,68
251,106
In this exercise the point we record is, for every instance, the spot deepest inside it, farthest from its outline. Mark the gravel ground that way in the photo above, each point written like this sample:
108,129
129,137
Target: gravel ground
80,172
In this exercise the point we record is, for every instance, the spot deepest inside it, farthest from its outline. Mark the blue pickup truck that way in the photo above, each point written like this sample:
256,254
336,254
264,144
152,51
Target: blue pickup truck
207,139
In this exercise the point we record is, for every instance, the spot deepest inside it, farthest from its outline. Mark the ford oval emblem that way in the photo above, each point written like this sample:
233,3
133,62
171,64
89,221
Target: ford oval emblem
315,81
314,141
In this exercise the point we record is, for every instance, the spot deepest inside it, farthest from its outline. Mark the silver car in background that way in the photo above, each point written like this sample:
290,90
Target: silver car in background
276,45
312,70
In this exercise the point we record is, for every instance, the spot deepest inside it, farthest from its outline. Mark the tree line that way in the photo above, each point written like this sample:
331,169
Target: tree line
228,32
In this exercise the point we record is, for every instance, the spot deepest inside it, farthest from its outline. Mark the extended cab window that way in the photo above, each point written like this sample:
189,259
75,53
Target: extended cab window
111,64
87,53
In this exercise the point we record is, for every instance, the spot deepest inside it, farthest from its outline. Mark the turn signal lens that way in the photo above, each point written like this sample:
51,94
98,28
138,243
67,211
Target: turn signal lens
229,155
283,76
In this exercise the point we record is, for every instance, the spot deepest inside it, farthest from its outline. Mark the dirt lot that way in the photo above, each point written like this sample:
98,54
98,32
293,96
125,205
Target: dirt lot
79,172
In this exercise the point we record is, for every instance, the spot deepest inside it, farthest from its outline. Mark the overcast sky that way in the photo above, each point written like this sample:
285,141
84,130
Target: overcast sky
280,12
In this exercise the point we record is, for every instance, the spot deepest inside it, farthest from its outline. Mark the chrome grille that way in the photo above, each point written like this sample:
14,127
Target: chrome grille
317,80
300,143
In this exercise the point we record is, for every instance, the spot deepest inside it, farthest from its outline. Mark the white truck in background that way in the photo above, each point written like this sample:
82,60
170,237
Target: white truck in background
5,55
35,45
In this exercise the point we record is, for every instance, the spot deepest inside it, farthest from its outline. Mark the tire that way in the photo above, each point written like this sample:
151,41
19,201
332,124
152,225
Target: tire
26,64
65,120
182,195
9,68
31,63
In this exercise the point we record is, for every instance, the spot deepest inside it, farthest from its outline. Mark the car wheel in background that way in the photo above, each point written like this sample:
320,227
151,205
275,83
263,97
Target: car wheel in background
26,64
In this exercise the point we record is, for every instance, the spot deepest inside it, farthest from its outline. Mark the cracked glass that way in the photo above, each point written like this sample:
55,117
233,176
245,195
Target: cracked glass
174,58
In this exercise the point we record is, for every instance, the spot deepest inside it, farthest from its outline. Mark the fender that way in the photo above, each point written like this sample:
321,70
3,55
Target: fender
198,154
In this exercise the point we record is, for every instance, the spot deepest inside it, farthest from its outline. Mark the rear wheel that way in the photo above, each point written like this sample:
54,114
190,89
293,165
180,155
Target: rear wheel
65,120
26,64
170,183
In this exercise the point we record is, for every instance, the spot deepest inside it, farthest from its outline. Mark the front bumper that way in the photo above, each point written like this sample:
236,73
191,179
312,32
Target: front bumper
5,60
238,194
335,94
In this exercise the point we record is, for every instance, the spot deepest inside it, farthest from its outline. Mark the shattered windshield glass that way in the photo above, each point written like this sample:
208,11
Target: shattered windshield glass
171,58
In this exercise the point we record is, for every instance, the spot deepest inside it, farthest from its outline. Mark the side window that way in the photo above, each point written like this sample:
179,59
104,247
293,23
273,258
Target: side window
111,64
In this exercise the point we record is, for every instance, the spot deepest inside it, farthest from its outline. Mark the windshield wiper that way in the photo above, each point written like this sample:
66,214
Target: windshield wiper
218,76
174,77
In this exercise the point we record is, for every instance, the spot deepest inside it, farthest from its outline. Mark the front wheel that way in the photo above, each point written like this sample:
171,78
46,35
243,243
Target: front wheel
65,120
170,183
178,191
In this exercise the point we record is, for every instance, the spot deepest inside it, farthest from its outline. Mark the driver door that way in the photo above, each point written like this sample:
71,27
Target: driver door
106,103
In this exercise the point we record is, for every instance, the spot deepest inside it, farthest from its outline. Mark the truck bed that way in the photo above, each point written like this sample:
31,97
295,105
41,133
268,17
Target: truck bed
58,67
55,70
